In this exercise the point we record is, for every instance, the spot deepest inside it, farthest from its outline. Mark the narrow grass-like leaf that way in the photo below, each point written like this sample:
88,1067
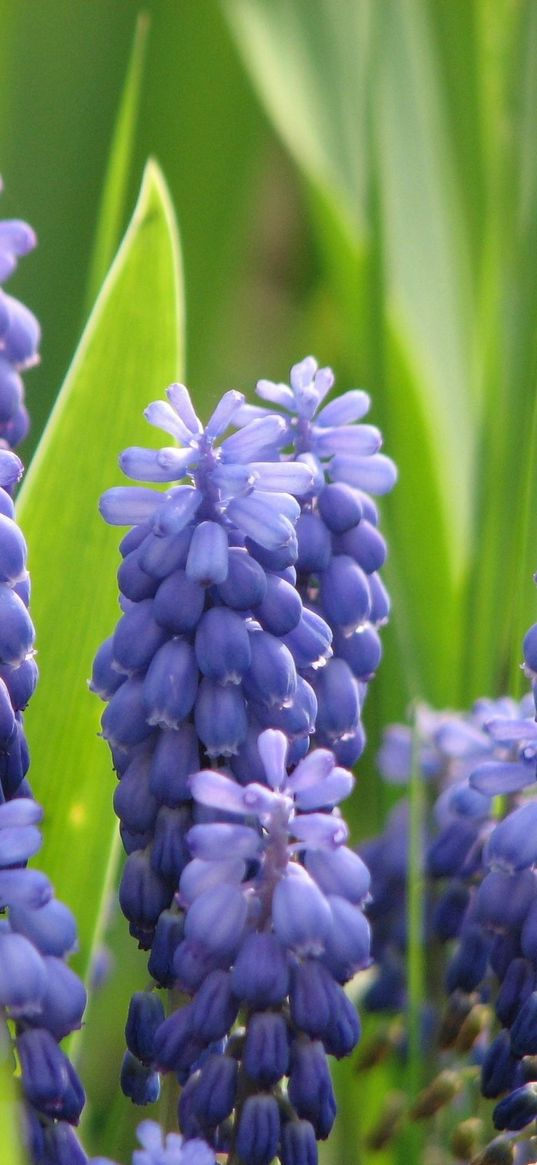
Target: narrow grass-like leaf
131,348
116,183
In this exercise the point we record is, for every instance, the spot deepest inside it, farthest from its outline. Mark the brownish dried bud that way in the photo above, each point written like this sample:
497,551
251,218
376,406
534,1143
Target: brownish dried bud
477,1020
388,1123
376,1050
443,1088
466,1138
458,1007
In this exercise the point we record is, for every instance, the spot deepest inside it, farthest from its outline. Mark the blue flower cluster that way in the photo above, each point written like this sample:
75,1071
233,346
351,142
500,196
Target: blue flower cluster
40,996
237,877
339,547
19,334
483,890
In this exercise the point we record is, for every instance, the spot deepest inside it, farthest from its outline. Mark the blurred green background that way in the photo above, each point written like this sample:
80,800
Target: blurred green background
355,179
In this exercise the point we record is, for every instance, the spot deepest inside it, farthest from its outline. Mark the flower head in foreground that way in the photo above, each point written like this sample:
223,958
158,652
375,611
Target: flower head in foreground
19,334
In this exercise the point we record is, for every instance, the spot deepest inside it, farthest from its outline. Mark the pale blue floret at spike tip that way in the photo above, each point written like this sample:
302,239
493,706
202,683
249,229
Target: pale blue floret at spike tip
19,334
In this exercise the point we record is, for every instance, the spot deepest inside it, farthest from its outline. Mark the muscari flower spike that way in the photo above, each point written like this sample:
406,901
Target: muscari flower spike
485,866
340,549
19,334
39,994
213,663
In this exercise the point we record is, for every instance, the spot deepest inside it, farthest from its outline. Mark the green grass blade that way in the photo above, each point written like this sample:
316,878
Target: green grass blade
131,348
116,184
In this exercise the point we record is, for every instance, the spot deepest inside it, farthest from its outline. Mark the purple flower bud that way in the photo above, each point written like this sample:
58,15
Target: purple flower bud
524,1029
142,892
64,999
179,603
517,1110
320,1008
176,755
50,1082
104,679
51,929
362,651
175,1045
162,554
145,1015
62,1146
16,628
216,919
216,1089
214,1008
281,608
12,551
314,544
300,912
266,1050
347,943
512,844
124,721
341,872
207,561
137,638
498,1070
338,701
246,583
271,678
298,1145
170,684
468,966
168,935
220,717
23,977
310,641
169,851
517,985
310,1086
340,507
496,778
259,1130
260,975
503,900
223,645
138,1082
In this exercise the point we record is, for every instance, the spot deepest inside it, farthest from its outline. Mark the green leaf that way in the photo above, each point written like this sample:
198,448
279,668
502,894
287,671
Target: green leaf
116,182
131,348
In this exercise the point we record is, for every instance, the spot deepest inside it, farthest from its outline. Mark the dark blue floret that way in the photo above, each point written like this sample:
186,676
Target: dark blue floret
524,1028
499,1067
298,1144
266,1049
517,1110
145,1015
138,1082
517,985
215,1090
259,1130
310,1086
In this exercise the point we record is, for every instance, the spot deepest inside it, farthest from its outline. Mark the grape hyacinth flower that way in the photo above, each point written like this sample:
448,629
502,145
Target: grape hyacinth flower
242,868
340,549
482,897
19,334
273,929
40,997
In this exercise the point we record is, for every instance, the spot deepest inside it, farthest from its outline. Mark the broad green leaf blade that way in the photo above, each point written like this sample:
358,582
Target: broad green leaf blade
116,182
131,349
